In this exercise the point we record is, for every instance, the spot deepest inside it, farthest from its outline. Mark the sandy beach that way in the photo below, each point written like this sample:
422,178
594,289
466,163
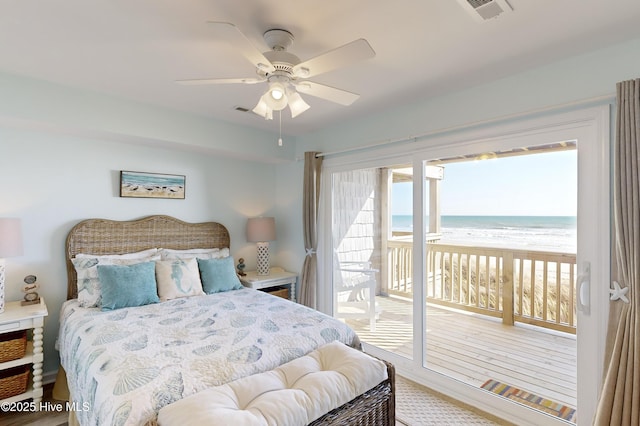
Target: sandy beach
151,191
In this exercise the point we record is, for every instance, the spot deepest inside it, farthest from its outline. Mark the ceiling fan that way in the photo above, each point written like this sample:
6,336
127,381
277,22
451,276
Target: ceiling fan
285,74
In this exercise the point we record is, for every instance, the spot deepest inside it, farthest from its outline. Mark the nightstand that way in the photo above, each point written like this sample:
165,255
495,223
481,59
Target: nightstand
17,317
273,282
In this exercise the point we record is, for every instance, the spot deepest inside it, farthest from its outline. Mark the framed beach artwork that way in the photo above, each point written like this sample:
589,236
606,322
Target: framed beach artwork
151,185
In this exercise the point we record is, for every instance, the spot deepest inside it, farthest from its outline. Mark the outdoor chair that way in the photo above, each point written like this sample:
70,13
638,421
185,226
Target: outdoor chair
358,281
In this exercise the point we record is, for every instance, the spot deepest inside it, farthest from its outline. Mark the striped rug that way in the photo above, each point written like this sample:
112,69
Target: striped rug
542,404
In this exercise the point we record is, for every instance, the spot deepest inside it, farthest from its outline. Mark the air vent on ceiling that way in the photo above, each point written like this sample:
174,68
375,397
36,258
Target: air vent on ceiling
483,10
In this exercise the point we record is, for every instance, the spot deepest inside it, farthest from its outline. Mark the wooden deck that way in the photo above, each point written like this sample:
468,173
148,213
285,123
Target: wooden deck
474,348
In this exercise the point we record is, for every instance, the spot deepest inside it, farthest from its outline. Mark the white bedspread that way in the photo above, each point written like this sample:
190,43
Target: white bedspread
124,365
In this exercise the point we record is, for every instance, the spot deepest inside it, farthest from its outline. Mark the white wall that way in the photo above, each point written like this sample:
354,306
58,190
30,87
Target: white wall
33,104
290,253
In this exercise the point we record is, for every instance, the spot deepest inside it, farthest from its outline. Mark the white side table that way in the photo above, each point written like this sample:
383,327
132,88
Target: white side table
277,277
17,317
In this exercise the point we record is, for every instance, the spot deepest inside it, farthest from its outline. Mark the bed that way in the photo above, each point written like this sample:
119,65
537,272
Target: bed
123,365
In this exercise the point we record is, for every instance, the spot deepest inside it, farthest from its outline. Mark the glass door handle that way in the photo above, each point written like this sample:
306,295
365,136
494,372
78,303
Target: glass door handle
583,285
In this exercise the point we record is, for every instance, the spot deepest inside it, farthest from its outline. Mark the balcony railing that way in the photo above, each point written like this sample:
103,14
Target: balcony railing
527,286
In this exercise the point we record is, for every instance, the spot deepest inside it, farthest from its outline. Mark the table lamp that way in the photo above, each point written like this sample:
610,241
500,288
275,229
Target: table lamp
261,230
10,245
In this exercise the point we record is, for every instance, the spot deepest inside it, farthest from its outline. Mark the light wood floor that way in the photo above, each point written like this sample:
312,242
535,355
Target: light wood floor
48,417
474,348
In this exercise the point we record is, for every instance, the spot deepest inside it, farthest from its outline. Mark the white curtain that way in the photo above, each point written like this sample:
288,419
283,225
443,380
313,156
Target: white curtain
620,399
310,199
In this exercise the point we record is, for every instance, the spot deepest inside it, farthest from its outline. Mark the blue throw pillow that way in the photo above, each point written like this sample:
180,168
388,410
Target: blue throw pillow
124,286
218,275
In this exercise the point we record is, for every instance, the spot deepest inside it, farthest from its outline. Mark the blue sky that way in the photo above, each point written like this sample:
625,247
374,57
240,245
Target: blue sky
526,185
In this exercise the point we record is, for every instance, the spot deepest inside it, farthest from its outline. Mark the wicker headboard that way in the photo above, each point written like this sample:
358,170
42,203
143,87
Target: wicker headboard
103,236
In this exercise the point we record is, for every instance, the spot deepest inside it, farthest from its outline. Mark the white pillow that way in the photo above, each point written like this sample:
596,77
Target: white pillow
213,253
89,291
178,278
137,255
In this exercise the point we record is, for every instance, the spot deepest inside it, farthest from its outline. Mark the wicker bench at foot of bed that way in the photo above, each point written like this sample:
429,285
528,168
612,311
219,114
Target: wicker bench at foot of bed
332,385
374,407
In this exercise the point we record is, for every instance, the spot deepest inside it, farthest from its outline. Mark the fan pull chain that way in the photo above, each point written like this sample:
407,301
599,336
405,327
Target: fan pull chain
280,127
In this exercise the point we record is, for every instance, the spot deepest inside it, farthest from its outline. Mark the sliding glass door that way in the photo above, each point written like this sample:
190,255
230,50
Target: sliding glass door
460,262
500,274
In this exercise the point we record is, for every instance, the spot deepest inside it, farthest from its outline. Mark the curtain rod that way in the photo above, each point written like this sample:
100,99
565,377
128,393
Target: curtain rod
584,102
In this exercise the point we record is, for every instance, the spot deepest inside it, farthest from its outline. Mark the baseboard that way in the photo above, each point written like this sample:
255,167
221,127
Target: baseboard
49,377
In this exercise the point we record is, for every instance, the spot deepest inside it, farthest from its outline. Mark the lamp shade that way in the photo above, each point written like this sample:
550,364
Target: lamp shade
263,109
10,237
297,105
261,229
275,97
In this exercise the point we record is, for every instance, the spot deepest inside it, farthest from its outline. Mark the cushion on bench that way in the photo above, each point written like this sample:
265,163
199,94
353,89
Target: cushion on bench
296,393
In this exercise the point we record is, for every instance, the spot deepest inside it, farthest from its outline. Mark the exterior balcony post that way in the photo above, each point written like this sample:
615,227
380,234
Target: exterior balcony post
507,288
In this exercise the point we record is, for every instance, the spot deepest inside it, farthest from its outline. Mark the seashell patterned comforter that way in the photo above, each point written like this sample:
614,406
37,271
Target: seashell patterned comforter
123,366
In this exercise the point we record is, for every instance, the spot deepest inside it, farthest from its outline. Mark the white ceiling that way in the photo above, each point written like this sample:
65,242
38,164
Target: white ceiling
136,49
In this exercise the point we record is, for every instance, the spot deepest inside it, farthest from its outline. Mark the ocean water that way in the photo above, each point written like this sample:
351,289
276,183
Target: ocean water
134,178
549,233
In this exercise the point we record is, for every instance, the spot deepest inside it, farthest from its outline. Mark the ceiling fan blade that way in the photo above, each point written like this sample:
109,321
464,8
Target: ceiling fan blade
239,41
339,57
329,93
249,80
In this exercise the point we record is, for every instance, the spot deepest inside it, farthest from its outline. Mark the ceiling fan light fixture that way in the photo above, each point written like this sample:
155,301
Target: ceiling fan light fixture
276,97
263,109
297,105
276,94
276,90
